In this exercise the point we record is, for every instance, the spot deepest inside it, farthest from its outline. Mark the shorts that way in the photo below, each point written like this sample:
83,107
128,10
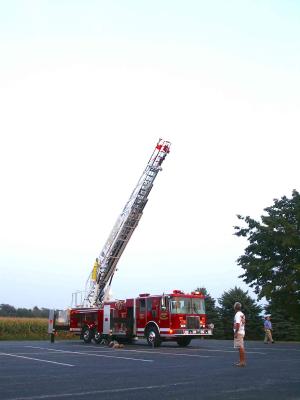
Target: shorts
238,342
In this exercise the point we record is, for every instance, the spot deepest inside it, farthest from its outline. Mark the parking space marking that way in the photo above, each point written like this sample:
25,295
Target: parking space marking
188,355
91,354
277,349
102,391
36,359
96,350
162,352
106,350
231,351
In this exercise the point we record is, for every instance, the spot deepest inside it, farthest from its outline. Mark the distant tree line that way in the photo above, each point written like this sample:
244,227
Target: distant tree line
7,310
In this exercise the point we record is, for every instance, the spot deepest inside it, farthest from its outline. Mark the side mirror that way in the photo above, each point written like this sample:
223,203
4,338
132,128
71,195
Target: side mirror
163,303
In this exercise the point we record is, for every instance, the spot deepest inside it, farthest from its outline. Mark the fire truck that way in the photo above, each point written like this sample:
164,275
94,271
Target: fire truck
175,316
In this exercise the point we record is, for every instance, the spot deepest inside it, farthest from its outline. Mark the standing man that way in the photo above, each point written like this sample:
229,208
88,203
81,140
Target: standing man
239,333
268,330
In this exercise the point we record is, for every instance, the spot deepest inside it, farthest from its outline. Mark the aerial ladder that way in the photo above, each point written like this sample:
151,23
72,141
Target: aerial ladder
100,278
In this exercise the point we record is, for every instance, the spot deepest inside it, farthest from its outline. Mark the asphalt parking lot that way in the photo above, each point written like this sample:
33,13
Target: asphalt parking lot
42,370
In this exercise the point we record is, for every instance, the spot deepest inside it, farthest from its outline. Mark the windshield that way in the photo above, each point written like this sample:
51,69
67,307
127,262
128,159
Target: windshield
183,305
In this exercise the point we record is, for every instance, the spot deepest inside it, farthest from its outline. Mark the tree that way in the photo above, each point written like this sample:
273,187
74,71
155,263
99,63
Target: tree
212,314
254,323
24,312
7,310
272,260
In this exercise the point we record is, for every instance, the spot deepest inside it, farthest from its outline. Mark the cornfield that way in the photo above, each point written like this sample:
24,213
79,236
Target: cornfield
12,328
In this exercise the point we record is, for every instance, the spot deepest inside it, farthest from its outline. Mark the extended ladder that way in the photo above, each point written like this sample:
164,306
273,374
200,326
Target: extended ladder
100,278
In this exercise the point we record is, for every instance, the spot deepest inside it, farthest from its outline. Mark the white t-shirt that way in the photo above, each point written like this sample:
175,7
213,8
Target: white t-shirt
239,318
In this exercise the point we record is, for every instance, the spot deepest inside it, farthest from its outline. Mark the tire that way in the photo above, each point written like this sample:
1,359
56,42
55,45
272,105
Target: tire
98,337
184,341
153,336
87,335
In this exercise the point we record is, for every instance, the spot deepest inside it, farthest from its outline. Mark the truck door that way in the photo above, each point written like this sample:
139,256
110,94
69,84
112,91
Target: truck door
148,309
140,315
164,314
152,309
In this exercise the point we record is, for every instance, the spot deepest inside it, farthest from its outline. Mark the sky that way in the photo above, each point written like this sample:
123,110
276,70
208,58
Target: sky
86,90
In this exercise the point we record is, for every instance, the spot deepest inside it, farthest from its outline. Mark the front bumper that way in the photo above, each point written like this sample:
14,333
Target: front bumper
187,332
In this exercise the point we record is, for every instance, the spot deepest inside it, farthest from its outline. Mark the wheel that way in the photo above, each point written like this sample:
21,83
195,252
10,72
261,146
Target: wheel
98,337
87,335
184,341
153,337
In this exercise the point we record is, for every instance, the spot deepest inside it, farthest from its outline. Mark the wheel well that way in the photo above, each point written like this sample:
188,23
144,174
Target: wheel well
151,324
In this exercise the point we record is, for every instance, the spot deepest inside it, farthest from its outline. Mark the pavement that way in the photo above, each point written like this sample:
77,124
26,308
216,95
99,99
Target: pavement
33,370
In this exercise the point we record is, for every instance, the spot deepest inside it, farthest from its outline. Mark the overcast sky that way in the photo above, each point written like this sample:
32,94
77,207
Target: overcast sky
86,90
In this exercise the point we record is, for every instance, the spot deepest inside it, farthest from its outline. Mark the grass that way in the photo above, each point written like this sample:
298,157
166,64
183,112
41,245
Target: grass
14,328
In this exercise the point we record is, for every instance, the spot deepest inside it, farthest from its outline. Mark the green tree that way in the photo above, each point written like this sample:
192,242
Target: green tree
272,259
212,314
7,310
254,323
24,312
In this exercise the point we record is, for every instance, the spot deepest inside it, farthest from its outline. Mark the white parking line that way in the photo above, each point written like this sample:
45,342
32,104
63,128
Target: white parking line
36,359
91,354
277,349
169,353
143,351
95,392
161,352
232,351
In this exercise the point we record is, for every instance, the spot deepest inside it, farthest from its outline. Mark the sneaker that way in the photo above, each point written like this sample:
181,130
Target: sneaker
240,365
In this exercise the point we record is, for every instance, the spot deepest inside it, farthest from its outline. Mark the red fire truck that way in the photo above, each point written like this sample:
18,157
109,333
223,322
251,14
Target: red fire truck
176,316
